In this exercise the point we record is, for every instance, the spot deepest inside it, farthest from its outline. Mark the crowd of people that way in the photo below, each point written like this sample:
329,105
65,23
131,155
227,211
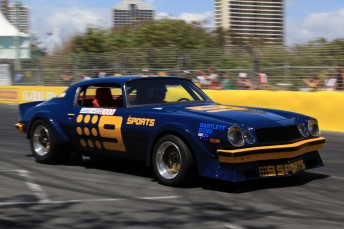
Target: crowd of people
212,79
333,81
226,81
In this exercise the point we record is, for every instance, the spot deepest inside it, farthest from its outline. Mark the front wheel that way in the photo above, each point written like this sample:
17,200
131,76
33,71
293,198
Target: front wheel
43,145
173,162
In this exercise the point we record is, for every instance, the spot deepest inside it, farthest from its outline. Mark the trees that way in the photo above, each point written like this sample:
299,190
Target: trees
174,46
166,33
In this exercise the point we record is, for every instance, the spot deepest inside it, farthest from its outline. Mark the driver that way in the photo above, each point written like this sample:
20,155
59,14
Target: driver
152,94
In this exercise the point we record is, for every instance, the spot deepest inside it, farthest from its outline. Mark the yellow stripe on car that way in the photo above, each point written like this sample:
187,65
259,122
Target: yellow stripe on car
273,152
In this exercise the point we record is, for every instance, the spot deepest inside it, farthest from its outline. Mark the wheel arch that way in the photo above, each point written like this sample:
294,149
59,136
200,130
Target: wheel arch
186,135
61,137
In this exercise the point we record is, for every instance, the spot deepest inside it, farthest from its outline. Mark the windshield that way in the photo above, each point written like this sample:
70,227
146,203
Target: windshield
163,90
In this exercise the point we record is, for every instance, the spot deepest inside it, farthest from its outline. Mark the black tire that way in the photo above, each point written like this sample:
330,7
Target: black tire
173,162
44,147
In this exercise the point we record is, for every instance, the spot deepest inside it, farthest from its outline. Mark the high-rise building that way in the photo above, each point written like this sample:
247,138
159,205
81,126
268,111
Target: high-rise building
3,7
18,15
247,19
130,11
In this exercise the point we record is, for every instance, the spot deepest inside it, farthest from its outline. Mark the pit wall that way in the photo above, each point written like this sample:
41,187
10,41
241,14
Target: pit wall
326,106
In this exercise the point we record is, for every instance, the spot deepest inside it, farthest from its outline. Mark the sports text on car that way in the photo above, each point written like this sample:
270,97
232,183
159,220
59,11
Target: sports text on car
174,127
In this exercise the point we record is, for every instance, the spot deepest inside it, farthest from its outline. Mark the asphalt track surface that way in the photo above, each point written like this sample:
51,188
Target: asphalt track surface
124,194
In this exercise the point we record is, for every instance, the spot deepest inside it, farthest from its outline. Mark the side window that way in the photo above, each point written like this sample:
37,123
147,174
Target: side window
101,96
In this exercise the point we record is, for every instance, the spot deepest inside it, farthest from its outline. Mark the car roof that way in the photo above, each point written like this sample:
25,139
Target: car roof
119,80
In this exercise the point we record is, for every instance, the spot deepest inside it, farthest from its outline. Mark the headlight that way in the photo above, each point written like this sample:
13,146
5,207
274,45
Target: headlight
313,127
235,136
249,137
303,130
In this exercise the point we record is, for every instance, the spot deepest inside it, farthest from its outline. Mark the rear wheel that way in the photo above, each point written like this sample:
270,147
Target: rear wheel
173,162
43,145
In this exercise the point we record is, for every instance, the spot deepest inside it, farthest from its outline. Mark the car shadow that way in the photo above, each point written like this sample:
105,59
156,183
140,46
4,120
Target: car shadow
131,167
139,168
261,184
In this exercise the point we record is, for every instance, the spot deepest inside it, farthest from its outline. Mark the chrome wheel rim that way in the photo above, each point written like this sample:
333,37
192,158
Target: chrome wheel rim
168,160
41,140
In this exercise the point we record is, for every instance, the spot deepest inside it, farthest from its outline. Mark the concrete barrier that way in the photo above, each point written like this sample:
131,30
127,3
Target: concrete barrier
326,106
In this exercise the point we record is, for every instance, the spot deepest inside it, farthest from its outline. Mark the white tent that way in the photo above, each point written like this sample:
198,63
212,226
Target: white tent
13,44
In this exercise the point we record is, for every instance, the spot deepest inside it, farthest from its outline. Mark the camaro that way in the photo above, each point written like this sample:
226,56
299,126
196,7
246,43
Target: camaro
174,127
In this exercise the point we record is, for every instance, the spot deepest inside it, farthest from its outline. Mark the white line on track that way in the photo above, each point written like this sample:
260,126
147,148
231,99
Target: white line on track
336,177
233,226
43,197
36,189
87,200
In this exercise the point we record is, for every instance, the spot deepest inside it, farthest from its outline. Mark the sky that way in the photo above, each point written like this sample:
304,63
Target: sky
305,20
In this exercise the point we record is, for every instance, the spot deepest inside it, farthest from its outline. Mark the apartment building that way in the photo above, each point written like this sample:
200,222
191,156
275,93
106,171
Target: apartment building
252,19
18,15
130,11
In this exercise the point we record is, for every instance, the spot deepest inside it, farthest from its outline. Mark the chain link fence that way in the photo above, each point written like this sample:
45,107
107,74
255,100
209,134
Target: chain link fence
286,68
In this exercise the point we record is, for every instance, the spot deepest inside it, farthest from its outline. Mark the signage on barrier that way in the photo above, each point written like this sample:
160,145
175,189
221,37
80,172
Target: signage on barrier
37,95
9,94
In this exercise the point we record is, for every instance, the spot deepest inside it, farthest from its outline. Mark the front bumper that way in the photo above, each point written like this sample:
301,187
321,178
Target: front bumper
268,161
273,152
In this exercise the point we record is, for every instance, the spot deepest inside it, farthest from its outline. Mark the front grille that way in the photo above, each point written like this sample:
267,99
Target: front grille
278,134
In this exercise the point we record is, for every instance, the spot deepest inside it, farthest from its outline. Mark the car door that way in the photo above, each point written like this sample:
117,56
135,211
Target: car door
94,129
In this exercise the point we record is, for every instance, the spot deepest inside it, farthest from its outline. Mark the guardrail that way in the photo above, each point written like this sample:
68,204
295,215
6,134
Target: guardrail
323,105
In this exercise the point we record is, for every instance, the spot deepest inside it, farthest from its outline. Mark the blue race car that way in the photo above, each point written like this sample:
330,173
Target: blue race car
174,127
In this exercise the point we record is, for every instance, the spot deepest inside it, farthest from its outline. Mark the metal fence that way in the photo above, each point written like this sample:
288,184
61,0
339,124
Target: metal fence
286,69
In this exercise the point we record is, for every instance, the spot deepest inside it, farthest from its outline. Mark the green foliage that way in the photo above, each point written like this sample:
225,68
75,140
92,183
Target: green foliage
175,45
165,33
93,41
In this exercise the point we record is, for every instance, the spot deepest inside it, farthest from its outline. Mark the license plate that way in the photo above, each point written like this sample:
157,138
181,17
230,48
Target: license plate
282,169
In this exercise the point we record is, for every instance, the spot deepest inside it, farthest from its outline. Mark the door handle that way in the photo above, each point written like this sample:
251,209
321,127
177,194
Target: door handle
70,115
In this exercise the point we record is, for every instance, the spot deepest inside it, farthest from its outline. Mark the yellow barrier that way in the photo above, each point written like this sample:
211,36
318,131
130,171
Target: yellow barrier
23,94
326,106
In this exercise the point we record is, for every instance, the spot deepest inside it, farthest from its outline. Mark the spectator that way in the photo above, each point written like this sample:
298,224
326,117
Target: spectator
145,72
215,84
101,74
313,82
206,79
84,77
226,82
66,77
201,78
244,83
212,74
330,82
262,79
339,77
162,73
19,76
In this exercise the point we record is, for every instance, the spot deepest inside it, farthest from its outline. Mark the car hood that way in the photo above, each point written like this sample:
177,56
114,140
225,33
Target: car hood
233,114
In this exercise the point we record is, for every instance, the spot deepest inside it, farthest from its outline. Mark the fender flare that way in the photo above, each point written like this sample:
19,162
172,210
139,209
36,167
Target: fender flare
189,136
47,117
